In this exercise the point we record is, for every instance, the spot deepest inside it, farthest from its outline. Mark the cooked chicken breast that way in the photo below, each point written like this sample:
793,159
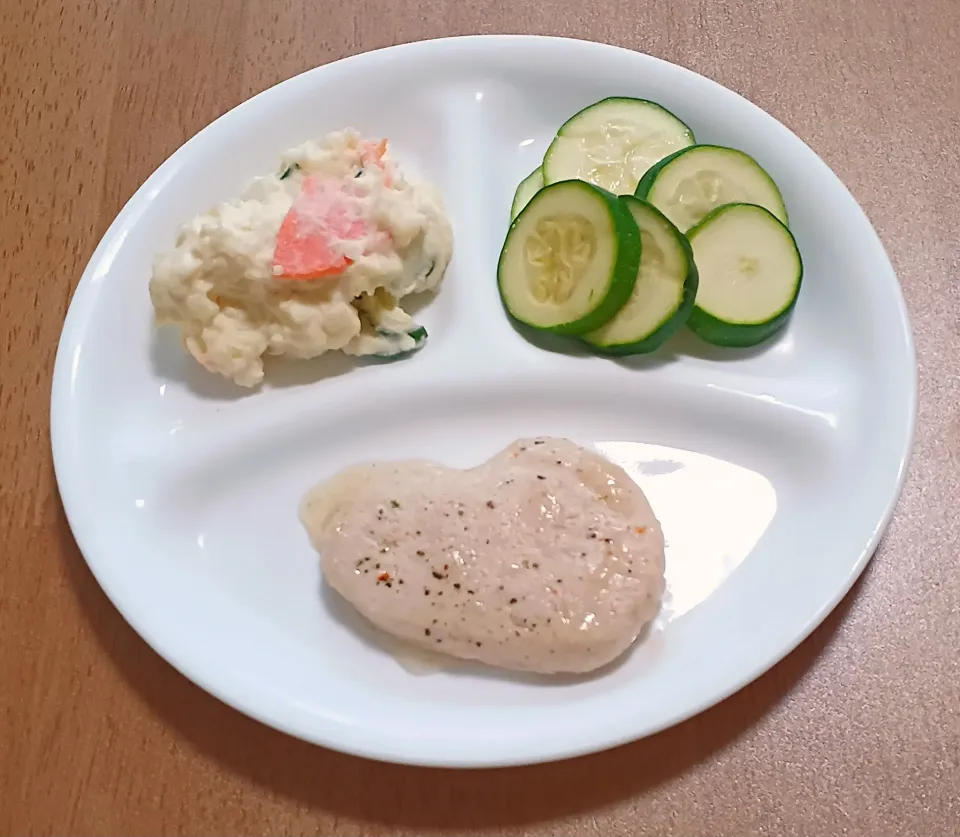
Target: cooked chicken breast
547,558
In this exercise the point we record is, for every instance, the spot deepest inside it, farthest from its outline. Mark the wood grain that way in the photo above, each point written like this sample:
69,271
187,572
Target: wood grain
857,732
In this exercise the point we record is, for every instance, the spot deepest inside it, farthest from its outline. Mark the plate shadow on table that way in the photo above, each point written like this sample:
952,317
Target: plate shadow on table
424,798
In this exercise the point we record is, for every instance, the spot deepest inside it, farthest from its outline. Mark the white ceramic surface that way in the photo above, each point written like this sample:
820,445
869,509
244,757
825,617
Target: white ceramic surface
773,471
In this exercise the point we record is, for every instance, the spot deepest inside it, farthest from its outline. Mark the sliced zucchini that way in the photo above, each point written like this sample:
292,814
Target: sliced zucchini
613,142
688,185
664,294
528,187
750,275
570,259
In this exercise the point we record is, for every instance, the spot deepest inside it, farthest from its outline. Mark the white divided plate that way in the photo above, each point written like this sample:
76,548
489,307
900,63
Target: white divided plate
773,471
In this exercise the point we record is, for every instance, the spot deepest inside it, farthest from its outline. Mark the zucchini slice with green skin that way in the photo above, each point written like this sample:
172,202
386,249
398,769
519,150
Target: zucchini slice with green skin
570,259
665,291
688,185
750,275
613,142
528,187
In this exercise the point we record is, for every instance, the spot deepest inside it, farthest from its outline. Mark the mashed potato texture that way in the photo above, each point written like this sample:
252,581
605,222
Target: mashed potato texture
221,288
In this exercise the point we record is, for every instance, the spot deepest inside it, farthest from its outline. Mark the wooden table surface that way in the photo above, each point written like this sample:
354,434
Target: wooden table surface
857,732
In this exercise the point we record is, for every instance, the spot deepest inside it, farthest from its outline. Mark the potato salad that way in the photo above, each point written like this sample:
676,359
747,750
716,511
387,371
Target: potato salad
315,257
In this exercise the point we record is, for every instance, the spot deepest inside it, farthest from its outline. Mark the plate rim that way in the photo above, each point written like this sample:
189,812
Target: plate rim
82,525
